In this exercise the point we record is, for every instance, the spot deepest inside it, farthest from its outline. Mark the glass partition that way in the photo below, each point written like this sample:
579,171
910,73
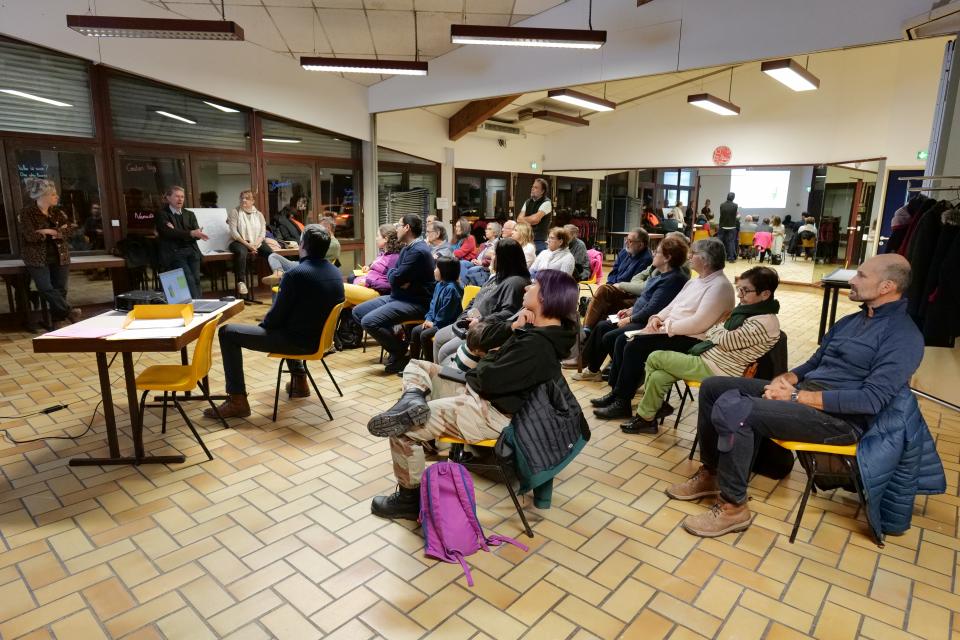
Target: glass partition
289,186
143,181
338,199
219,183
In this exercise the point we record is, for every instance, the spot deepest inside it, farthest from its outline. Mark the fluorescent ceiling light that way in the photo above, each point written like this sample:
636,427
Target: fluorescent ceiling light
553,116
283,139
30,96
174,116
220,107
580,99
527,37
360,65
790,73
714,104
175,29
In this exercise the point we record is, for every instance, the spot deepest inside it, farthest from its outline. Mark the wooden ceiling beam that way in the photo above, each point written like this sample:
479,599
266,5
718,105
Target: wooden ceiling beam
473,114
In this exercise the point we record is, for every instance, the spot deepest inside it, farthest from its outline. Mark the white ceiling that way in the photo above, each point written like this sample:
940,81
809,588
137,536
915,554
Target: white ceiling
357,28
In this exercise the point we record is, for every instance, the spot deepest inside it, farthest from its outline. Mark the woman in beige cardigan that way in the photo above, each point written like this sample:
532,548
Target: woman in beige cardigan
248,232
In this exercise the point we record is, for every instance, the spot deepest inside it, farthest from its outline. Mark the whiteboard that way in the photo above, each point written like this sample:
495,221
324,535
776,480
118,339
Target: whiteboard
214,224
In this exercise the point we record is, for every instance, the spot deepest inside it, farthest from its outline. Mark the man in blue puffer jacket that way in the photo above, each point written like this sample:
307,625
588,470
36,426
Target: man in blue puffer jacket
865,361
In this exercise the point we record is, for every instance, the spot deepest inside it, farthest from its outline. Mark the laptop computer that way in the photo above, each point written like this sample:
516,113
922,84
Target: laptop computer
176,291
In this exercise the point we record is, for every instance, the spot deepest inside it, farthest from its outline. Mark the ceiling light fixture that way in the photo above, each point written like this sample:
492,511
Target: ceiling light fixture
714,104
580,99
789,72
553,116
527,37
30,96
360,65
172,29
220,107
284,139
174,116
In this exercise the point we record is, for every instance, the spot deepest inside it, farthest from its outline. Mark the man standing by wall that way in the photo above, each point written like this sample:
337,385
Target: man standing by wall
179,231
537,212
728,226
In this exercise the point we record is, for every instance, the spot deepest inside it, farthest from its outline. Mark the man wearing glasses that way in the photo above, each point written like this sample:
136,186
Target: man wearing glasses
411,288
609,298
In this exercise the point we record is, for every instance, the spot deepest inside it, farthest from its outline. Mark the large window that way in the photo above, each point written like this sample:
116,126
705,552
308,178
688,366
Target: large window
218,183
482,194
406,184
43,92
573,198
143,180
75,174
289,186
148,112
338,199
287,138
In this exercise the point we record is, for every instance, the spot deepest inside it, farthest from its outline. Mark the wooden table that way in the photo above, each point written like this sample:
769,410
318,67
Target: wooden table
101,347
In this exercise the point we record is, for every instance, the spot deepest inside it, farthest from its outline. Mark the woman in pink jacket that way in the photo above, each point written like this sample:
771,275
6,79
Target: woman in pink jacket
374,281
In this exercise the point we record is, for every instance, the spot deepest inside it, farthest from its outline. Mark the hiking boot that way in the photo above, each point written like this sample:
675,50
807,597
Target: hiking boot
242,288
638,425
702,484
298,387
411,410
396,364
235,406
587,376
619,408
404,504
722,518
273,279
603,401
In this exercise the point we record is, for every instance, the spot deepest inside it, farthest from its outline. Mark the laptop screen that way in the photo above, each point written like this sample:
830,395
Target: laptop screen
175,287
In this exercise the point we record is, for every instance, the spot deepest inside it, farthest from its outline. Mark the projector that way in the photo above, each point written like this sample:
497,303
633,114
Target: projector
126,301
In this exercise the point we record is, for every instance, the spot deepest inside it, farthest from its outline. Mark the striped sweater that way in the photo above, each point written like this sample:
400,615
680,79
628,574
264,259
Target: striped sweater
735,350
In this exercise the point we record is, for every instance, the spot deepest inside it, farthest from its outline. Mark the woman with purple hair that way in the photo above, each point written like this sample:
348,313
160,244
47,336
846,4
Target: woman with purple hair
519,356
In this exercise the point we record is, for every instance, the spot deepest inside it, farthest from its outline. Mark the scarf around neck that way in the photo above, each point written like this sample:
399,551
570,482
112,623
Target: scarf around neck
737,317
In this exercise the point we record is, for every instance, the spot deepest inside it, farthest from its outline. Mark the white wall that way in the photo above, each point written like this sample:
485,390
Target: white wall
715,184
241,72
660,37
873,102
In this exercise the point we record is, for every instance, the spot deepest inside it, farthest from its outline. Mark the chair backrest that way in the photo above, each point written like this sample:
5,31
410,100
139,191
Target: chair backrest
807,243
469,293
773,362
203,352
700,234
746,237
329,329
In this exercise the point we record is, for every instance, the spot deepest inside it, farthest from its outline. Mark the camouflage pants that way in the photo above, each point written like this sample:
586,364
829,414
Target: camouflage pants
456,411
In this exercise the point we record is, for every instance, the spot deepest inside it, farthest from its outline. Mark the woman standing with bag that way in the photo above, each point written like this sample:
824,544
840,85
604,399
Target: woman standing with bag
44,229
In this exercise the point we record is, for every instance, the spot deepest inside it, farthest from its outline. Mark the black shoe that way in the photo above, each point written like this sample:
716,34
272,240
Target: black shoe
639,425
404,504
396,364
411,410
664,411
619,408
603,401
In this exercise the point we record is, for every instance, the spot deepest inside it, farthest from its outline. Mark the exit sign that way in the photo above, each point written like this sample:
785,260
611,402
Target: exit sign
921,155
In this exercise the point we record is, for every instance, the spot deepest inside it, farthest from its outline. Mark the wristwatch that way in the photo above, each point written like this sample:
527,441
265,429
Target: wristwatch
794,395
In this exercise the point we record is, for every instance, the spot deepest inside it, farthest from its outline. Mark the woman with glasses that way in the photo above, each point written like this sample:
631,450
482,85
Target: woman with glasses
750,332
702,303
248,235
557,256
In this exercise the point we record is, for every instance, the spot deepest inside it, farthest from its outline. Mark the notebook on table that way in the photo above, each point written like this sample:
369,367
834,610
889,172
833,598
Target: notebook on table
176,291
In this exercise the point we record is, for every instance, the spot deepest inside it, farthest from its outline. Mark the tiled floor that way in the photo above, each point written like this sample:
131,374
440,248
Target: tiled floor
274,538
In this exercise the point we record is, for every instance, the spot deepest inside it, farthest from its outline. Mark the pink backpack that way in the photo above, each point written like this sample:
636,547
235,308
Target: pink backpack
448,516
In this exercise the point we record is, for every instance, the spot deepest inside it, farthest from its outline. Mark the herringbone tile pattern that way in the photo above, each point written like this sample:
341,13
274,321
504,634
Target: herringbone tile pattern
274,538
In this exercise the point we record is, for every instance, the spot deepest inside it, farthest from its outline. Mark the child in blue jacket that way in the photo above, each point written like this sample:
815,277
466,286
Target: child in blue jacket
445,307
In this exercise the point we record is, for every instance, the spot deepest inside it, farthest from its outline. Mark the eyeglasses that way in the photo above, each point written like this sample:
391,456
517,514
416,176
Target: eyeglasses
744,291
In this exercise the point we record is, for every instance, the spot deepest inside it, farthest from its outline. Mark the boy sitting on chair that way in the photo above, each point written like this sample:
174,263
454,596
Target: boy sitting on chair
293,325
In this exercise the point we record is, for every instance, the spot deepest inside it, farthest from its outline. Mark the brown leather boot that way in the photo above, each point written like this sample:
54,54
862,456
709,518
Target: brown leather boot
298,387
702,484
236,406
723,517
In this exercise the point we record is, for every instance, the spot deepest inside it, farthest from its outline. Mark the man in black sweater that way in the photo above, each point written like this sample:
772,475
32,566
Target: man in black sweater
293,325
411,289
179,231
728,226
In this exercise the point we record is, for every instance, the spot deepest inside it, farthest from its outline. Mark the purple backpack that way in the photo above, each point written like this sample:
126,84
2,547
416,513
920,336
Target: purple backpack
448,516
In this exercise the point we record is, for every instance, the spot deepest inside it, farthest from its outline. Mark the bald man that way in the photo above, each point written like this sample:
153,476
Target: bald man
864,361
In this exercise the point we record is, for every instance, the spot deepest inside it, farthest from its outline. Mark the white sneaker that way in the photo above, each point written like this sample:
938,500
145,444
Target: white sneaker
242,288
587,375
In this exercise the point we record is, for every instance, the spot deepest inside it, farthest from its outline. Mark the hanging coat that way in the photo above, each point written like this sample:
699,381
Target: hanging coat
920,254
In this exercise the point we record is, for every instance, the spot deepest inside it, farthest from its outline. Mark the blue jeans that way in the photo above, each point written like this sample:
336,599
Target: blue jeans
729,239
476,275
234,338
51,281
379,316
278,262
541,245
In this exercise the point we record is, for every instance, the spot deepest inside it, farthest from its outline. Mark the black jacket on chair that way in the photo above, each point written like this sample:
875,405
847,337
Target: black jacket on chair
178,237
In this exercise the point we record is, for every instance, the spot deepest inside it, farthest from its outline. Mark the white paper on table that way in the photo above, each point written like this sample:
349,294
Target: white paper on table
614,318
157,323
141,334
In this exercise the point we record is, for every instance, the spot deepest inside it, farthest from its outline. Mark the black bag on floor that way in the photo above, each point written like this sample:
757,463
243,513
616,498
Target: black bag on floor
349,334
775,260
584,303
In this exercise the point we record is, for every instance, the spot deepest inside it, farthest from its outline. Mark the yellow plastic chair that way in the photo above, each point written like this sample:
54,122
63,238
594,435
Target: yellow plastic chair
469,293
326,343
456,455
171,378
588,284
700,234
805,454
